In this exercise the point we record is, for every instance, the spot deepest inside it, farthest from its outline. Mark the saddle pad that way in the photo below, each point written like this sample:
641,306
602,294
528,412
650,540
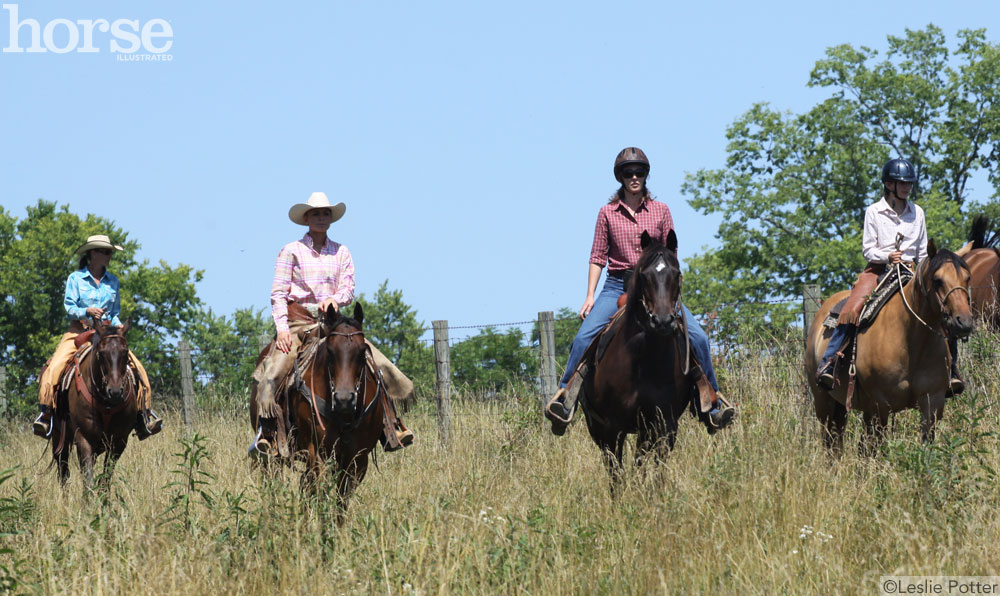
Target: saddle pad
67,375
608,333
888,285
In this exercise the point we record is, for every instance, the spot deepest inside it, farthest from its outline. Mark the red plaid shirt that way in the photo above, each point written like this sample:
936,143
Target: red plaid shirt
617,235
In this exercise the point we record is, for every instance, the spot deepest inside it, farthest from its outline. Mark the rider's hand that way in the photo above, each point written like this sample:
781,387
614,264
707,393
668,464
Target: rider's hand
93,311
323,306
895,257
284,341
587,305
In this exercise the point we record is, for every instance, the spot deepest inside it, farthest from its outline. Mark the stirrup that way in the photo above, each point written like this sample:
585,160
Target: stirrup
260,447
147,424
556,410
42,427
824,376
403,437
956,386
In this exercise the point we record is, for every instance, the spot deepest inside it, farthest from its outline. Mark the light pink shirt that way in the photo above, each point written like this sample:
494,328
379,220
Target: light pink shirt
306,276
881,226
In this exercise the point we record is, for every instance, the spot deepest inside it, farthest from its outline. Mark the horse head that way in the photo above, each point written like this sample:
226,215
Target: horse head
945,274
110,361
345,351
656,285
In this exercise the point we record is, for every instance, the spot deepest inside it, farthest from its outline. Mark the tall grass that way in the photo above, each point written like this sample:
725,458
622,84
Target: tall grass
508,508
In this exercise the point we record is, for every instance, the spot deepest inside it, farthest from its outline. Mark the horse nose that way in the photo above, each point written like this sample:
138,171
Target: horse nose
344,400
664,322
964,325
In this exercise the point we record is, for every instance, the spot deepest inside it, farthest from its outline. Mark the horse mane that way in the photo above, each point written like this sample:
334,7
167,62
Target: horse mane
981,226
946,256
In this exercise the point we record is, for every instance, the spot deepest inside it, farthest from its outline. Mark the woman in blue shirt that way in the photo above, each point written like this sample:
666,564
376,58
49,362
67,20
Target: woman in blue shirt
91,292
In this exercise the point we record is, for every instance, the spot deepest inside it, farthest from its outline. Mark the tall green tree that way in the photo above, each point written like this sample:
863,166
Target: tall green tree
36,256
392,325
794,188
227,346
484,363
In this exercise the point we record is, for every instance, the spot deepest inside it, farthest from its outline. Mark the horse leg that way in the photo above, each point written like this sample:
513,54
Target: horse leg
929,417
86,455
611,452
310,476
115,450
873,434
833,416
62,461
350,478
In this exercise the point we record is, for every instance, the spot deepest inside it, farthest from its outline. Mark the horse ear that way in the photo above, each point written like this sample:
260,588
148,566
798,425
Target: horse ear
330,317
126,327
359,313
965,249
931,248
645,240
672,241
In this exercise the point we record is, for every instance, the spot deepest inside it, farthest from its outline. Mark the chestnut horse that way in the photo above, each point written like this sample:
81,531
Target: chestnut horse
335,404
984,265
903,360
639,385
99,411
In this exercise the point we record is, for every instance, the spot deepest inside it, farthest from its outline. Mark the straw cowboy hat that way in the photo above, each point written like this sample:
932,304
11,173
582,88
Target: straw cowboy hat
316,200
98,241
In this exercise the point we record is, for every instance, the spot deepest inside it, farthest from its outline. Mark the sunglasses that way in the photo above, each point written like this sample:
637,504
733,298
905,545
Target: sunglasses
634,172
103,251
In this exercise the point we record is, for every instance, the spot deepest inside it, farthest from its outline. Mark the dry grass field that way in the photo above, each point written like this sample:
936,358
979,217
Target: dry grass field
507,508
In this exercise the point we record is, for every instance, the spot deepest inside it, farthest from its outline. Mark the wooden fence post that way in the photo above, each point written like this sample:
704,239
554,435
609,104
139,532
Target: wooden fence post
547,360
187,383
811,300
3,390
262,341
443,368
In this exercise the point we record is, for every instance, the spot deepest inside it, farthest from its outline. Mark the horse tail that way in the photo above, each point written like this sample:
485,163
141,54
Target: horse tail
981,226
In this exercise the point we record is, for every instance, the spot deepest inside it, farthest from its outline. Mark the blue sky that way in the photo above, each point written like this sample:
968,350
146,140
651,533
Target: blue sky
472,142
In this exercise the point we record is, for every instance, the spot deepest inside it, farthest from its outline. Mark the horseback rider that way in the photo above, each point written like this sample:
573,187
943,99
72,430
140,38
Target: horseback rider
92,292
317,273
620,224
893,219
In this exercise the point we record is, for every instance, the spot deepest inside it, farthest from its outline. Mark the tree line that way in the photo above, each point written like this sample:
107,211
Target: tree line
791,194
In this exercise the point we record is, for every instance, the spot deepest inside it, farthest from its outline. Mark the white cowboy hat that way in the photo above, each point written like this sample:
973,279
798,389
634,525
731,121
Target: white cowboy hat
98,241
316,200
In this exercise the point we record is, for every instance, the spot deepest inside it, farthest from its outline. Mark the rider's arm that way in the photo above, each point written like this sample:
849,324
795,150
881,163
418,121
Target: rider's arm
345,277
279,289
116,306
922,238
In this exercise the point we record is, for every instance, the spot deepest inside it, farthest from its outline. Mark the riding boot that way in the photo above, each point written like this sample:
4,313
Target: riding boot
826,373
562,406
720,412
147,424
395,435
955,385
262,443
42,426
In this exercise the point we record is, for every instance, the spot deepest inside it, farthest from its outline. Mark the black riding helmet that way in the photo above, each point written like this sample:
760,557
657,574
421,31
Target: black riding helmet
900,170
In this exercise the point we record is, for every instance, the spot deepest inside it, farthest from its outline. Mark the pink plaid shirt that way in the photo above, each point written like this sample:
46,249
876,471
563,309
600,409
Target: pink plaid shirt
308,277
617,235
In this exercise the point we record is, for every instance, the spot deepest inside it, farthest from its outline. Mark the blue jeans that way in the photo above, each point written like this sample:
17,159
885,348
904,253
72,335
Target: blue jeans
836,341
605,305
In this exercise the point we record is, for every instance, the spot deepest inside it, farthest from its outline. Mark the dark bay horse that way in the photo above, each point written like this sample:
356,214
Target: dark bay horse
335,404
99,411
903,361
639,385
984,265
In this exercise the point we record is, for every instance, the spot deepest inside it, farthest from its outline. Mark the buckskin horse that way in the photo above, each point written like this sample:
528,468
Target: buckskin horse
335,404
903,360
99,410
984,265
639,384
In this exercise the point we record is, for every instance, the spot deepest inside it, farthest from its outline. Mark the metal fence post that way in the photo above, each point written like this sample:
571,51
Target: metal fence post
187,383
443,369
547,360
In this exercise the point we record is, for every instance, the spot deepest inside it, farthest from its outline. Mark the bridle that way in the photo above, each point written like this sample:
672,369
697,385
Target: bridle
678,312
320,406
